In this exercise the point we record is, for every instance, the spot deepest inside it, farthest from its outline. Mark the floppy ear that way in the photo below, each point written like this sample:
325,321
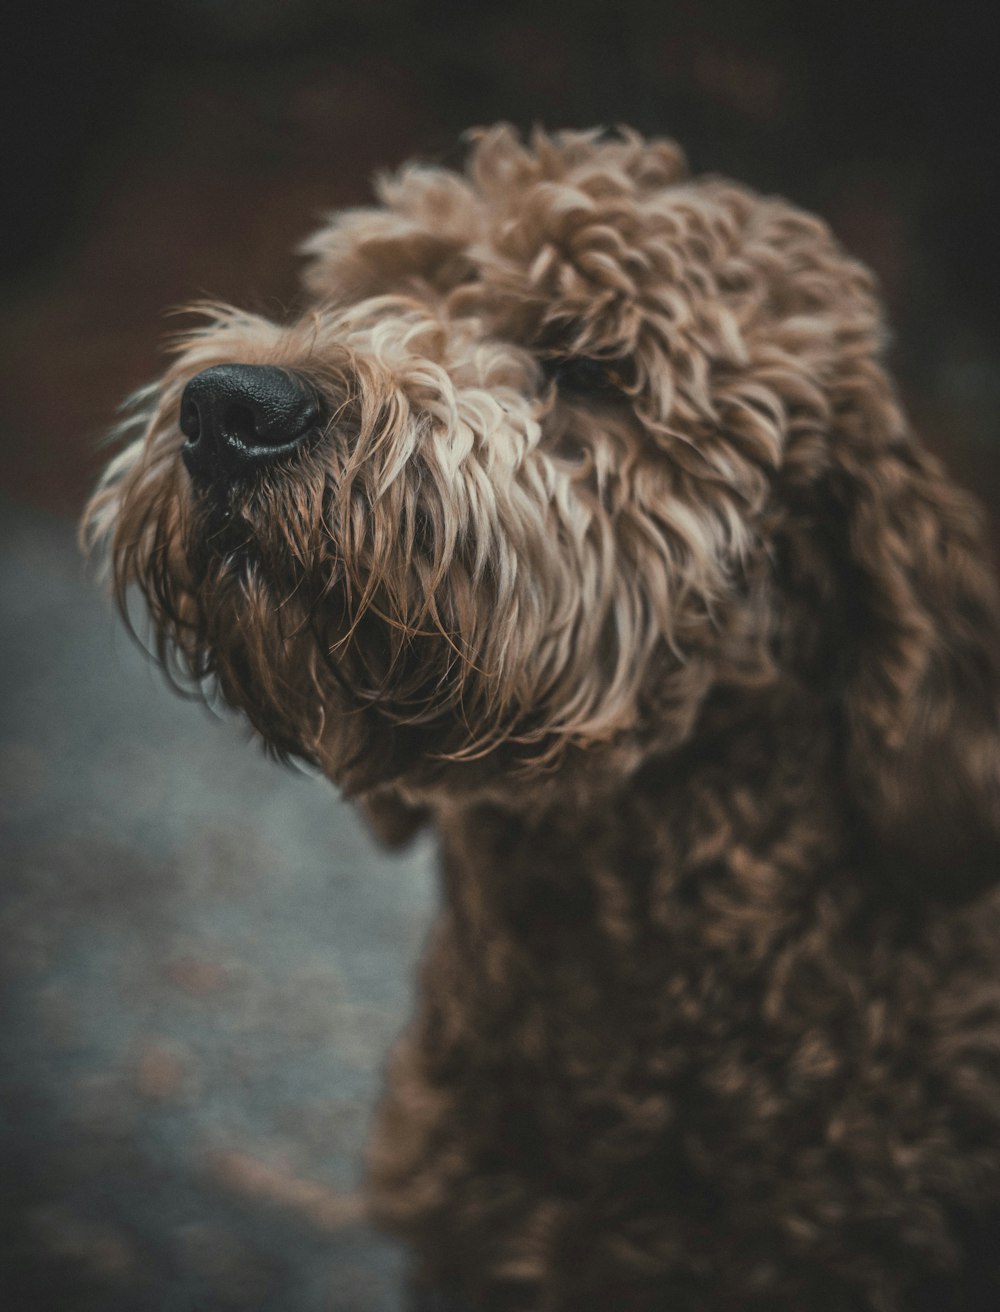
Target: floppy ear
920,682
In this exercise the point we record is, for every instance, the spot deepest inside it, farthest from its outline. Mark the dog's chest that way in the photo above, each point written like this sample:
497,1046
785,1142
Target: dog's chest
608,984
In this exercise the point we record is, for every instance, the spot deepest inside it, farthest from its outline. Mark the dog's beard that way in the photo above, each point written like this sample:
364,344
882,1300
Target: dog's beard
249,591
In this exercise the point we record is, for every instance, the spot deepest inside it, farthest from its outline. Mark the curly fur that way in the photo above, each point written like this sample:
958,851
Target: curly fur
618,562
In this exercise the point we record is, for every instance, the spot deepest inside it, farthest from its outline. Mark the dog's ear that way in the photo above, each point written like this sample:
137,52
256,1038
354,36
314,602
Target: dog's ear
919,679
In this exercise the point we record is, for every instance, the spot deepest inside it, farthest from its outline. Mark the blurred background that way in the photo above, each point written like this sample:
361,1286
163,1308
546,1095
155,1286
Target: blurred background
203,958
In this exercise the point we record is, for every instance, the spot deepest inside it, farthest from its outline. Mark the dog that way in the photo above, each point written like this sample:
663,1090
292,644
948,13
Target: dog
576,516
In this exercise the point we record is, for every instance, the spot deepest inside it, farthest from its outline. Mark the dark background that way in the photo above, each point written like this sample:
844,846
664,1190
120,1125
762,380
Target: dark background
203,958
161,151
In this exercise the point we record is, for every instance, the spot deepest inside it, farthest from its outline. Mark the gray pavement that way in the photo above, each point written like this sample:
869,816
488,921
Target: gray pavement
203,959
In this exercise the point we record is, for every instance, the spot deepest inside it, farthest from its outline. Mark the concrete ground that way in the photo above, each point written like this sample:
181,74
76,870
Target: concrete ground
204,960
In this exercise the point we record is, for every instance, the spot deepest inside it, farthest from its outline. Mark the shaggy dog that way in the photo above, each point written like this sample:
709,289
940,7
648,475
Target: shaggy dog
577,517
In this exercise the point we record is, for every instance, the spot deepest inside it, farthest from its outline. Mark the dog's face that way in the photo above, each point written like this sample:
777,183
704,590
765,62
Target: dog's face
501,492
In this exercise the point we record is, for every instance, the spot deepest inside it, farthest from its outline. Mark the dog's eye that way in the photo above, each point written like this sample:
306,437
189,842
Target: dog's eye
583,376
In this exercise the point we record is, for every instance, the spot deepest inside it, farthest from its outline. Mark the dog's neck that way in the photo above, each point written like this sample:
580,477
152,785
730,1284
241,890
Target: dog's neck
742,827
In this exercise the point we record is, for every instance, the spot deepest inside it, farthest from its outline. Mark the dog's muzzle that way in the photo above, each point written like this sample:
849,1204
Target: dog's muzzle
239,418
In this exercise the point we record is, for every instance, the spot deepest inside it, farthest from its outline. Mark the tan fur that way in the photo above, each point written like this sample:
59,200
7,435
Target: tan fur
694,663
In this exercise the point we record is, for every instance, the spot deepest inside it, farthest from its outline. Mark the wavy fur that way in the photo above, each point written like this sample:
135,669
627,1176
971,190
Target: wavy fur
618,562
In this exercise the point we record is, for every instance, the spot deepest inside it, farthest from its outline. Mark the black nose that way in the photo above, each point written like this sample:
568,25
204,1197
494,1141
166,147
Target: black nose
240,417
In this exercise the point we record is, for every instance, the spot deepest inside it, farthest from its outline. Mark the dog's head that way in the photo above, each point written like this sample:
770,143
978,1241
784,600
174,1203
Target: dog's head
556,447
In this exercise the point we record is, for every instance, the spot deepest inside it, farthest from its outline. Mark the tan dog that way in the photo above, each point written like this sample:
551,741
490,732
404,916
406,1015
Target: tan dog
576,515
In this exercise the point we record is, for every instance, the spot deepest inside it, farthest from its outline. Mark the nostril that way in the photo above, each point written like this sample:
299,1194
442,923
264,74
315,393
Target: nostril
190,420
